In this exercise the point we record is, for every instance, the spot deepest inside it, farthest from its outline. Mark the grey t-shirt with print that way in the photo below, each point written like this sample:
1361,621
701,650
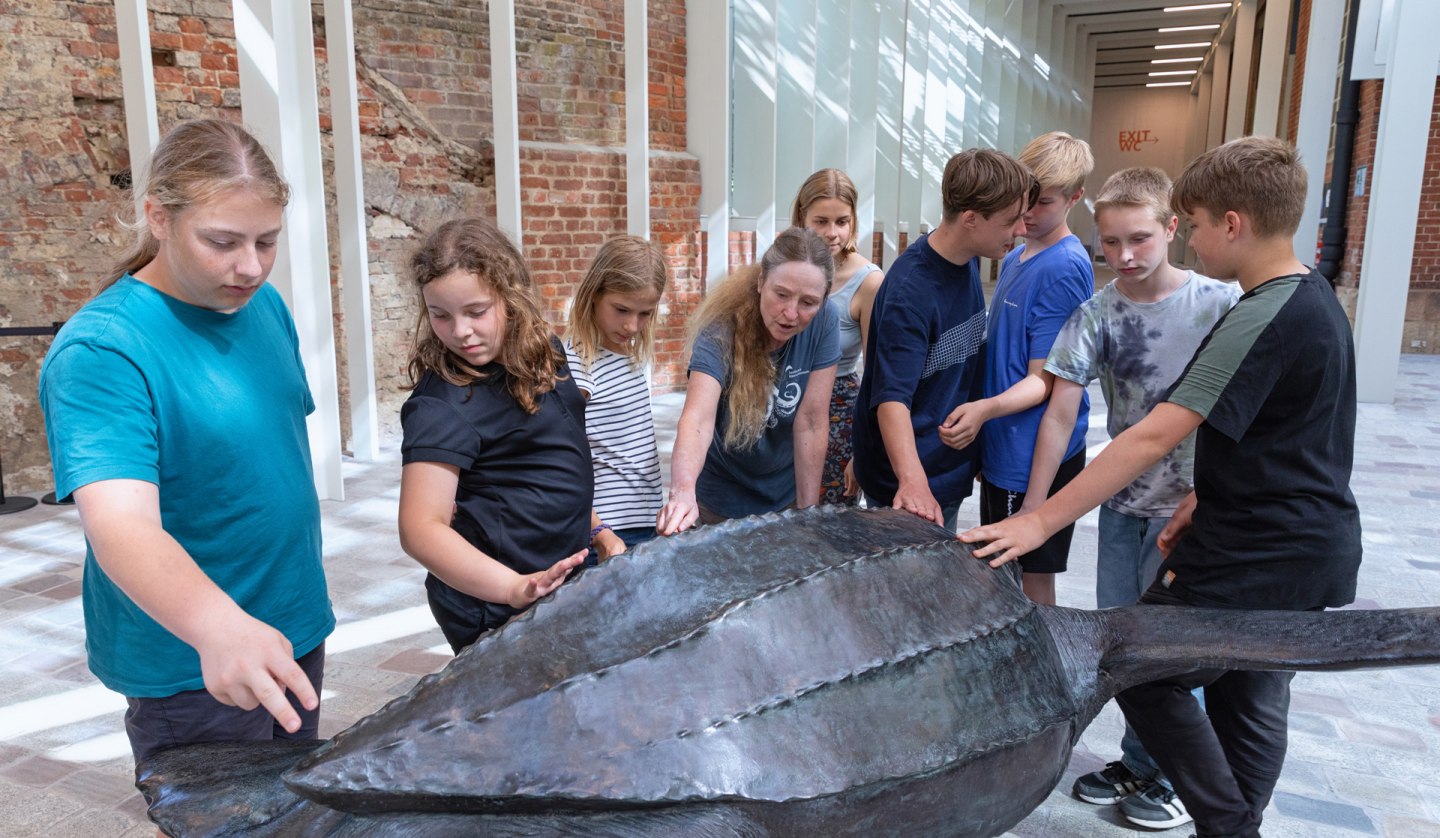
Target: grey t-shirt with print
1137,350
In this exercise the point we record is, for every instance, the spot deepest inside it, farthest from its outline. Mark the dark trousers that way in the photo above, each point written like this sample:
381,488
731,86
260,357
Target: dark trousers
1224,758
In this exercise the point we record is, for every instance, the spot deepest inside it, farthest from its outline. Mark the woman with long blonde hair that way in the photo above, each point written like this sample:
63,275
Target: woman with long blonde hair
751,437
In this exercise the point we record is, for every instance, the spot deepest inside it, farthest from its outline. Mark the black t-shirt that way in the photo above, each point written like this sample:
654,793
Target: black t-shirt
526,484
1276,525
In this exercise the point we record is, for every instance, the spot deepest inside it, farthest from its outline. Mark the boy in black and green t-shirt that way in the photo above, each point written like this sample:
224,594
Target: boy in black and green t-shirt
1272,523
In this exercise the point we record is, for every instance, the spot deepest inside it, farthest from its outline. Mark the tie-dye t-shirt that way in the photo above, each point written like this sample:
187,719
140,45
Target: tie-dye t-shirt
1137,350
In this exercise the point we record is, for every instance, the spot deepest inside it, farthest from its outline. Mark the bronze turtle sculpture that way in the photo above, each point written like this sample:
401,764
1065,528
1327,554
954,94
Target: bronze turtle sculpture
823,671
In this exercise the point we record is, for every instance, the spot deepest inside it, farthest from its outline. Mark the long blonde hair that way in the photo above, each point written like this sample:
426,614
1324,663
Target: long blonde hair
829,183
529,354
734,306
195,162
624,265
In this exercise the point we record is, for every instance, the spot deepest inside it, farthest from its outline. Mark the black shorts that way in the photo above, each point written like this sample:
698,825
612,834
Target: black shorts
997,504
193,716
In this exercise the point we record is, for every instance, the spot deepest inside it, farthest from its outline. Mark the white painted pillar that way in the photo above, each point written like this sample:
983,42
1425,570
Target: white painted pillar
707,120
754,115
863,116
137,80
933,118
912,118
1401,139
973,21
889,102
835,58
1242,50
506,115
1011,122
350,217
637,119
795,101
1215,132
1271,76
1317,108
276,47
955,101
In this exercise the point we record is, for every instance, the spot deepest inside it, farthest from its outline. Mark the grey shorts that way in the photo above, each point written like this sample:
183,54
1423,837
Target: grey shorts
185,718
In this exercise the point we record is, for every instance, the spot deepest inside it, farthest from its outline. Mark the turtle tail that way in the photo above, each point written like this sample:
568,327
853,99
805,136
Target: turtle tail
1145,642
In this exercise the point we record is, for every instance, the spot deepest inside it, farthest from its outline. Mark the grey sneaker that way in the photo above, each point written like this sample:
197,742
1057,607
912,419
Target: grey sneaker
1156,807
1109,785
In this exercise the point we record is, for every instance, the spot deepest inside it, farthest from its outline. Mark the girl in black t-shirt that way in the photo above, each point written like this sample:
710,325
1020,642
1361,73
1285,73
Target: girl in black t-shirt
496,489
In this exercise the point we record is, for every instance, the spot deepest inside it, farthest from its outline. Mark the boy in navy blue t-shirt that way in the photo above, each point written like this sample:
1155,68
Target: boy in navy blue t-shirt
924,355
1041,283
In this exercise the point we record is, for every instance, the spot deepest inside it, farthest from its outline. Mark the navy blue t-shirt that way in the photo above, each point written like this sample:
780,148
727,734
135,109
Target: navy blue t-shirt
735,483
925,351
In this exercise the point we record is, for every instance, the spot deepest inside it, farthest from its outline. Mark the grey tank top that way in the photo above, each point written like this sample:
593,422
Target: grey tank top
850,347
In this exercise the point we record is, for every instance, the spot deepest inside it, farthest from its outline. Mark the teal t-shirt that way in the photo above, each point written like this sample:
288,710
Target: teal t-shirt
209,407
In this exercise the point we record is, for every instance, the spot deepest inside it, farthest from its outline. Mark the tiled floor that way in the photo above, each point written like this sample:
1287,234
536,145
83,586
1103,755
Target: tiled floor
1364,747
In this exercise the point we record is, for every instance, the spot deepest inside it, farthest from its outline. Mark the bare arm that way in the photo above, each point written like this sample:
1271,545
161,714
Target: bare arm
1138,448
812,436
963,424
245,663
913,491
863,302
1051,440
605,542
427,503
693,435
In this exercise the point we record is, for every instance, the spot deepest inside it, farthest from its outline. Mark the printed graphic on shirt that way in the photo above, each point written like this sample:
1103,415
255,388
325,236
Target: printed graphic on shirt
784,396
956,346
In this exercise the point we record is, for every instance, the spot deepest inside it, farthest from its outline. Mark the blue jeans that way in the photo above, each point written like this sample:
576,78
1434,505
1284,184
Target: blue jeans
632,536
1127,561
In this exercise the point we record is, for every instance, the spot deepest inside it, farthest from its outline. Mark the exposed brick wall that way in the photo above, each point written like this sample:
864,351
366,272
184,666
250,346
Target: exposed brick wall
1358,206
425,114
1297,70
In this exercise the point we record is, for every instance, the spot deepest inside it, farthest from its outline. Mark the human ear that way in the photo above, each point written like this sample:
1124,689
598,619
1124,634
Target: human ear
1233,223
157,218
1171,227
1074,199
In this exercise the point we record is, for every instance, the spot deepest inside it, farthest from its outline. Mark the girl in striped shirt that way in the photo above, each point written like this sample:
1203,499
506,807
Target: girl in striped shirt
611,343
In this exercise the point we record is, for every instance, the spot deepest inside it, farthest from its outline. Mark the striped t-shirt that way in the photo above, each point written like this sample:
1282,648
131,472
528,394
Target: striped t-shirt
621,430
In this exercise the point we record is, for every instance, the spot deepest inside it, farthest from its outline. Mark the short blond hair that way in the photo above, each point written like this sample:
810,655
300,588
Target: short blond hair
1058,159
1261,178
1139,186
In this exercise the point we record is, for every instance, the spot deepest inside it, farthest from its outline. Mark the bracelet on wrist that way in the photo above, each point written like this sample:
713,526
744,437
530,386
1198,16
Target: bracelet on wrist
595,533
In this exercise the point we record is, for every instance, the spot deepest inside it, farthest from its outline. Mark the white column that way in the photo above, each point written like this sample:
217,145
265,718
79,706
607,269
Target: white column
1317,106
863,114
955,103
1271,74
912,115
1219,96
707,120
835,56
280,103
637,119
937,91
1404,130
506,116
137,80
972,24
1006,24
795,96
1242,49
754,115
350,217
889,102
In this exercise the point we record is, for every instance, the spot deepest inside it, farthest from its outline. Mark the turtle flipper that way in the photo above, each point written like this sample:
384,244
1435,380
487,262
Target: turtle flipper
1145,642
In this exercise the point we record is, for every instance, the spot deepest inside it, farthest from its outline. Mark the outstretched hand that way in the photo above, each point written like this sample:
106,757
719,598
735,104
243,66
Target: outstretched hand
678,514
962,425
917,500
248,664
1007,540
532,586
1180,523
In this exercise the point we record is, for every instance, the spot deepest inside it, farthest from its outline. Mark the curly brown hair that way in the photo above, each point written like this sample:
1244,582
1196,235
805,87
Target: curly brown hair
530,355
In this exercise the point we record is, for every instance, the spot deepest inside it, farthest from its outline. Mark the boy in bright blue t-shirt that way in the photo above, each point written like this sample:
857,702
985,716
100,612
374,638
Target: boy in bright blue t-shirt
1041,283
